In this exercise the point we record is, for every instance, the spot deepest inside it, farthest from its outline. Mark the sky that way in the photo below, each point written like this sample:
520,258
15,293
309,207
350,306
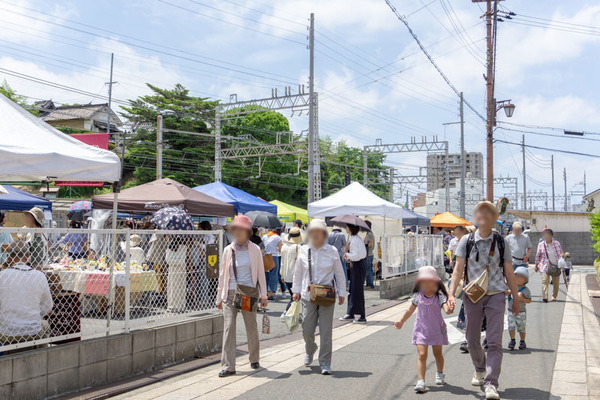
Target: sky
373,81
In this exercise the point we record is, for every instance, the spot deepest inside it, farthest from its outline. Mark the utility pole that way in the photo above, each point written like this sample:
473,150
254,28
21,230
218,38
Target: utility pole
159,146
447,179
524,176
566,194
392,184
463,160
311,112
491,103
110,83
365,165
553,194
407,203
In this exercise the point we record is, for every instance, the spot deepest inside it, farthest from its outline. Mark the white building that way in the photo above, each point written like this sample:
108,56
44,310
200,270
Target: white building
435,201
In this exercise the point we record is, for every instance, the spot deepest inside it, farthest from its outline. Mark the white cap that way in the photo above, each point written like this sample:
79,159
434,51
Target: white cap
317,223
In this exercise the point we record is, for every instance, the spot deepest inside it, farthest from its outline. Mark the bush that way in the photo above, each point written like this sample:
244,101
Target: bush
595,230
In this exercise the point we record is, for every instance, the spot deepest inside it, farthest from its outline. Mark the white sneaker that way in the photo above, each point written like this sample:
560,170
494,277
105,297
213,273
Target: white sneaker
325,370
440,378
478,378
420,387
491,393
308,359
282,315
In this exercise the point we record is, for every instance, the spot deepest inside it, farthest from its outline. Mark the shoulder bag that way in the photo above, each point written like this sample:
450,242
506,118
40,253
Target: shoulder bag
321,295
553,269
478,288
268,262
245,297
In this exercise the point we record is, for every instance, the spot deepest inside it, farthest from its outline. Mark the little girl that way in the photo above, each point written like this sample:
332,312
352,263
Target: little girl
429,297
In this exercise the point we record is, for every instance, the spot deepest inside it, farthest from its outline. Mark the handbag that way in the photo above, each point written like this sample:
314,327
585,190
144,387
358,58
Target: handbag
245,297
268,262
478,288
553,269
321,295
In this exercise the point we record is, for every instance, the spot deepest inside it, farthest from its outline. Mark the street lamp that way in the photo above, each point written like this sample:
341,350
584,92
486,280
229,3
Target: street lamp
509,108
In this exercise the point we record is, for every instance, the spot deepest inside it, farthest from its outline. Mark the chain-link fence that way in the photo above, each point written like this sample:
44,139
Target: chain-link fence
403,254
59,285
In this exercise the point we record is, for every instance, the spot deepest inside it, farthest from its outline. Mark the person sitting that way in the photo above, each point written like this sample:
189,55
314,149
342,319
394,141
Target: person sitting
76,242
137,254
24,298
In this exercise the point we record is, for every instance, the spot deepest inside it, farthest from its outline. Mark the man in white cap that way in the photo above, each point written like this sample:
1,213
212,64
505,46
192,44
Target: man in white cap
477,252
520,246
318,263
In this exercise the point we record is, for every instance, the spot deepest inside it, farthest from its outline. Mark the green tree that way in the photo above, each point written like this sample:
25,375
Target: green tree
11,94
595,230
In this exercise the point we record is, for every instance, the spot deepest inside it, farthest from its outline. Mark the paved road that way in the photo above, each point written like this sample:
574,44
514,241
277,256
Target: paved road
383,365
376,361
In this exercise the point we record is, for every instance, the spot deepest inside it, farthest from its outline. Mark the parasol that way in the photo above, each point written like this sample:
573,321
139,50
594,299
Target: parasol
172,219
344,220
78,210
263,219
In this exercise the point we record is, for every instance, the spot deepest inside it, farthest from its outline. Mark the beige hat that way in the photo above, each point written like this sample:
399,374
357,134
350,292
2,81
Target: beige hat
295,235
487,205
134,241
317,223
37,214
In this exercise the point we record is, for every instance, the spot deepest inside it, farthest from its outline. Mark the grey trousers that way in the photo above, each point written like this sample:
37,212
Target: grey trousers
229,328
323,317
492,307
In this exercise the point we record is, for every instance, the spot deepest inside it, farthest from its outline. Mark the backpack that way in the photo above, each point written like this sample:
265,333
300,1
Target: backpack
471,242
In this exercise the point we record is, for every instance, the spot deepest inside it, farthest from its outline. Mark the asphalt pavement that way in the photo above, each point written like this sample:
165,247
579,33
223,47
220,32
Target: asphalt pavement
383,365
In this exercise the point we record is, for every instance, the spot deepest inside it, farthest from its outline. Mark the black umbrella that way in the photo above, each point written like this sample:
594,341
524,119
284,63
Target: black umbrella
344,220
263,219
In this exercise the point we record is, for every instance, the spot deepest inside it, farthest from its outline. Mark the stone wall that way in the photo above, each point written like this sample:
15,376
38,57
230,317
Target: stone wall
399,286
42,373
578,244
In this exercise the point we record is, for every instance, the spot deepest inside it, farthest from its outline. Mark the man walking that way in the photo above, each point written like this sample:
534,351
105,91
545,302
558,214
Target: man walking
477,252
520,246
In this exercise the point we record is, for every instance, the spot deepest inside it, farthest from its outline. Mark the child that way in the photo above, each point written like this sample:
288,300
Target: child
429,297
569,265
524,297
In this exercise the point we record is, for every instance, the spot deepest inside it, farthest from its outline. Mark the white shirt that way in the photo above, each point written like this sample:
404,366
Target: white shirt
326,270
357,250
453,244
244,273
289,254
271,243
24,299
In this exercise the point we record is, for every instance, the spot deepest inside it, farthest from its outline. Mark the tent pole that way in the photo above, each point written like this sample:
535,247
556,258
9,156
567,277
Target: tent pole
116,190
112,259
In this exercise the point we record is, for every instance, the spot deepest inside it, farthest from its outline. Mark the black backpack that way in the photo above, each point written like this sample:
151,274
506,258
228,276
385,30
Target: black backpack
471,242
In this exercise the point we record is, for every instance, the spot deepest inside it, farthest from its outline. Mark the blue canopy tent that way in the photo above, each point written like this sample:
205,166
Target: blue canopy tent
18,200
410,218
242,201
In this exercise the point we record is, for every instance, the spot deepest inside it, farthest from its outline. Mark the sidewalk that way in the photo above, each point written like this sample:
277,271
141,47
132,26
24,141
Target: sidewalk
577,369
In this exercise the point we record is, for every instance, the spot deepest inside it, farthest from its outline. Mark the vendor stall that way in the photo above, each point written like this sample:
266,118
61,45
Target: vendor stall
153,196
18,200
242,201
289,213
448,220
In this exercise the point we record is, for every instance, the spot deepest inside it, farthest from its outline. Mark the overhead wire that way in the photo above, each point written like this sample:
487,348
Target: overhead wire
550,149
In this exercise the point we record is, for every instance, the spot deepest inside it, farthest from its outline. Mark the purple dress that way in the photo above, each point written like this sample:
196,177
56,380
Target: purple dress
430,327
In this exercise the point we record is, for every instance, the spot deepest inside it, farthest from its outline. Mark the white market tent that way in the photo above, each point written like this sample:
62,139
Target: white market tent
354,199
32,150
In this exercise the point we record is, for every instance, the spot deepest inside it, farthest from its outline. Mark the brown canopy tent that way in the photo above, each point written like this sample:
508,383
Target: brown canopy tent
153,196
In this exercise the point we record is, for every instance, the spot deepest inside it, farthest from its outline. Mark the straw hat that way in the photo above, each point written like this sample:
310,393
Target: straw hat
295,235
427,273
37,214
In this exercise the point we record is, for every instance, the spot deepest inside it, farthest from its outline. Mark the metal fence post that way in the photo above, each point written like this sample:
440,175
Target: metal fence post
127,278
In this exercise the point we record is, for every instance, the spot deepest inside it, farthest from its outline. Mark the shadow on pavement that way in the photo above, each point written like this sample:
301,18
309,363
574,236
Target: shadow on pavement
528,350
336,374
456,390
524,393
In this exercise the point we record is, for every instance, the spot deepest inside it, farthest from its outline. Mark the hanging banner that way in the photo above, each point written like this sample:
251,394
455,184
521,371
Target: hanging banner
99,140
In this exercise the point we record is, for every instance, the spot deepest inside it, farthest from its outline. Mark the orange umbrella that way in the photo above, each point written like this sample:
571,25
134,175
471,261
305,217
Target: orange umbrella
448,220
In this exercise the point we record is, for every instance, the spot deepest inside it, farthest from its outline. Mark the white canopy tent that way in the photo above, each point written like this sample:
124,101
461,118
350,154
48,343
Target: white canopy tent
32,150
354,199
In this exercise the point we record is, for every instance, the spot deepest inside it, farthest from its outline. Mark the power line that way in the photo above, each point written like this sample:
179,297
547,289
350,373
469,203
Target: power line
549,149
548,134
546,127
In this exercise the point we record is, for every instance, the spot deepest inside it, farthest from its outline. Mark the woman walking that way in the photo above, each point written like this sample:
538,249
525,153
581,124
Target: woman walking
318,268
357,253
548,253
289,255
241,269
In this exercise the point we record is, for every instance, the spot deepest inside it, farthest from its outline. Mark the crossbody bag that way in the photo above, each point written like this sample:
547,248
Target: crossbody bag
321,295
245,297
477,288
553,269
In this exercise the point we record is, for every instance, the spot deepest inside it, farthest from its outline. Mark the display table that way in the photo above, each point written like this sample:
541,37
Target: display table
96,284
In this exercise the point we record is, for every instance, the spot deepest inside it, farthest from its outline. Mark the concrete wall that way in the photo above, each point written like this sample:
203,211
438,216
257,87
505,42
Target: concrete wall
578,244
42,373
560,222
399,286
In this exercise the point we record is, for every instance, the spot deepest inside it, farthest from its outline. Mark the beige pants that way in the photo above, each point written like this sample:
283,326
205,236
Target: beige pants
546,281
44,333
229,329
